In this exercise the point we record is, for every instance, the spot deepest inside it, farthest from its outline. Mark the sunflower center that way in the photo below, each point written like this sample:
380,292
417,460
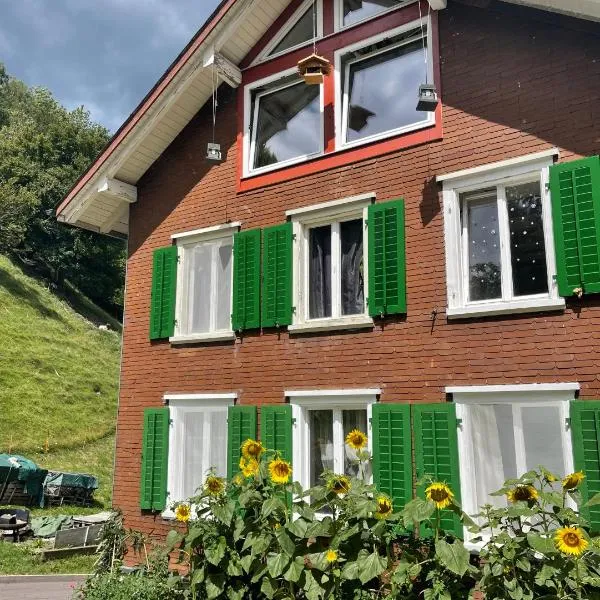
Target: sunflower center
281,469
571,539
439,495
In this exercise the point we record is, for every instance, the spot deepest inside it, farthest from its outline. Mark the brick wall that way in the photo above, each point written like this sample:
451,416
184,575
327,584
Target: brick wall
510,87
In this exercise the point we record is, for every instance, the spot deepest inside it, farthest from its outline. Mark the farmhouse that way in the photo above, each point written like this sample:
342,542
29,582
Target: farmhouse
371,214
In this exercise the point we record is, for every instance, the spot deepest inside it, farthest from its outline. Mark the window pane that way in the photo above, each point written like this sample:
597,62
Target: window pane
289,124
353,419
218,442
319,272
223,307
193,470
542,432
484,249
493,441
527,246
321,444
383,91
302,31
198,275
357,10
351,234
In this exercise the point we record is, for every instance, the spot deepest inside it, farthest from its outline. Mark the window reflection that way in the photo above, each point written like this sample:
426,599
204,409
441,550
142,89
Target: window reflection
358,10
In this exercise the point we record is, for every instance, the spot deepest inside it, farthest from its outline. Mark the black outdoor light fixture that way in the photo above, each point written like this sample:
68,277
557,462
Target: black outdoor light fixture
428,98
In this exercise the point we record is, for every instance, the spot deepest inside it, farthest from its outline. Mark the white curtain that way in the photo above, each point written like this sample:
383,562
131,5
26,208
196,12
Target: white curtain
217,454
192,467
223,304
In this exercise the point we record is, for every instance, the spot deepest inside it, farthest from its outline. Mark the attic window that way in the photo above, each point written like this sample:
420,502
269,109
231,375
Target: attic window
286,123
300,33
381,80
355,11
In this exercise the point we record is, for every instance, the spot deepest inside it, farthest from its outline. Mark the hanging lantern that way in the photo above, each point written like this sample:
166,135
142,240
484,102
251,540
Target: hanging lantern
313,69
213,152
428,98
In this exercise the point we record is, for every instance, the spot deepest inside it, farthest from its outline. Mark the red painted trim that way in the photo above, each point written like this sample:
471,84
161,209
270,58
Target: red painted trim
332,158
147,102
328,17
279,23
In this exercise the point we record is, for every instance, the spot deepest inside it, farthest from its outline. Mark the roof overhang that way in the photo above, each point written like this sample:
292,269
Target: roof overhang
100,199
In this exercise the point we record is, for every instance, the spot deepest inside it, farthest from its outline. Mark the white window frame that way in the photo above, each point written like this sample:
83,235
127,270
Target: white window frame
555,395
341,96
303,219
250,121
339,14
303,402
524,169
183,241
266,55
178,405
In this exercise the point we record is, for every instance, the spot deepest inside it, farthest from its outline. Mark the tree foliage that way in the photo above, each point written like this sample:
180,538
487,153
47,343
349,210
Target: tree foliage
43,149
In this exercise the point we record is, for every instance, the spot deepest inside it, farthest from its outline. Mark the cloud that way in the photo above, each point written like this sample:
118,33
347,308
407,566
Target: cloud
103,54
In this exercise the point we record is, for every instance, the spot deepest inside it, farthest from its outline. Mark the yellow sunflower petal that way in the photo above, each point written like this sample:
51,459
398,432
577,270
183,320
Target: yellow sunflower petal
571,540
384,507
572,481
440,494
522,493
252,449
331,556
356,439
183,513
280,471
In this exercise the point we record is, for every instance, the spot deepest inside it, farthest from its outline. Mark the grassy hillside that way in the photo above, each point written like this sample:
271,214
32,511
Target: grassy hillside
58,372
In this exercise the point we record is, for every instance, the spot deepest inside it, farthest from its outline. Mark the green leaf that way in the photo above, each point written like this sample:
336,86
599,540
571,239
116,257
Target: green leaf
246,562
237,593
312,589
593,501
272,505
198,576
295,570
454,556
224,512
350,570
216,552
285,541
234,567
541,544
276,563
298,527
215,583
268,588
417,510
372,566
173,539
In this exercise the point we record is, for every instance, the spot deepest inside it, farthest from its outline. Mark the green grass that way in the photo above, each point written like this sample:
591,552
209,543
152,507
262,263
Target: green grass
59,373
58,398
20,559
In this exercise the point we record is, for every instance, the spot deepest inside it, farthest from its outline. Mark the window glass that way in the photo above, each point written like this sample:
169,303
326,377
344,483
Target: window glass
302,31
321,444
543,438
528,250
382,91
484,248
288,124
191,461
357,10
353,419
206,302
319,272
217,448
351,272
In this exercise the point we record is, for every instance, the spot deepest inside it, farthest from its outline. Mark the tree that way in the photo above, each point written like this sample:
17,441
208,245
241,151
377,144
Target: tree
43,149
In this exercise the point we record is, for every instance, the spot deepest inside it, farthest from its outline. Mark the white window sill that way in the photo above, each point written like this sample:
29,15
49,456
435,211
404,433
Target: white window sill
215,336
505,308
353,322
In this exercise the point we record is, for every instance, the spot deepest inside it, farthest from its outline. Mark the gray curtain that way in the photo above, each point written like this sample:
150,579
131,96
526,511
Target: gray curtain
353,299
319,299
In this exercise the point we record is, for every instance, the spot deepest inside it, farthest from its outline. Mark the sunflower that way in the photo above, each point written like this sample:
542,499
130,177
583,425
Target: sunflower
214,485
356,439
522,493
384,507
249,467
440,494
183,513
331,556
280,470
238,480
339,484
570,540
572,481
252,449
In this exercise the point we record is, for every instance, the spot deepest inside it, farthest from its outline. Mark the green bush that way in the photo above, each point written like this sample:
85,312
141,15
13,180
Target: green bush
114,586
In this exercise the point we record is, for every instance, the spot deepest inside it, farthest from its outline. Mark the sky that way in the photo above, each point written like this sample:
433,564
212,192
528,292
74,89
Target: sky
102,54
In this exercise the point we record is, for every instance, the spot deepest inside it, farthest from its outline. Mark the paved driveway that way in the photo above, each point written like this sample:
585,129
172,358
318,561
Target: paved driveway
40,587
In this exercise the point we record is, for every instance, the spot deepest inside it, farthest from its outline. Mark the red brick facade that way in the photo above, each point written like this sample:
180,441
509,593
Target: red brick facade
513,82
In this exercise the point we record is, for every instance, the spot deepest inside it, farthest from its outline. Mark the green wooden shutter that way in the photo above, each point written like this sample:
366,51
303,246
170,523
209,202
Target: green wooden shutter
277,276
241,425
276,429
585,432
246,280
392,452
162,301
387,259
155,457
436,453
575,191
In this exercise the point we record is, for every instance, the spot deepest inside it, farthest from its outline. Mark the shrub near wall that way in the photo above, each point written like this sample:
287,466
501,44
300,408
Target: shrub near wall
345,540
